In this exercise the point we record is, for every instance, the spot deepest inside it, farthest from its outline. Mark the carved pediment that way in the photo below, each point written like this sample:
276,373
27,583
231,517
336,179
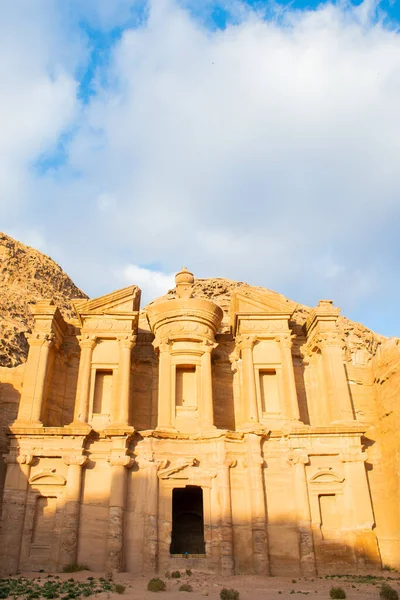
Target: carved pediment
121,302
176,471
326,476
47,477
246,303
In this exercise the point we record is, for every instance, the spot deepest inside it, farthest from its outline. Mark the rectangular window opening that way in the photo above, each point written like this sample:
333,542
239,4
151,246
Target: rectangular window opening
269,391
185,394
102,392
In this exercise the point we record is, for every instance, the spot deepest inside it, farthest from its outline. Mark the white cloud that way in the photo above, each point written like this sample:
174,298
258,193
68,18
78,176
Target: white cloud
248,153
152,283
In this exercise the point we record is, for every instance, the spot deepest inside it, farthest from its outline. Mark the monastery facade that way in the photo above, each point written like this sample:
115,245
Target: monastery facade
189,436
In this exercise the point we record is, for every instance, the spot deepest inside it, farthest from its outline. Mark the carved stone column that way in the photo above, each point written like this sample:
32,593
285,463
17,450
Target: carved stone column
150,468
226,526
289,383
359,518
207,408
115,533
337,389
13,513
246,343
121,409
255,464
165,402
87,344
73,491
36,373
299,460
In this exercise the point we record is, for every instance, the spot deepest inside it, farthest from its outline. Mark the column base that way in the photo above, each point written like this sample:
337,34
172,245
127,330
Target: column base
119,428
26,424
250,427
85,427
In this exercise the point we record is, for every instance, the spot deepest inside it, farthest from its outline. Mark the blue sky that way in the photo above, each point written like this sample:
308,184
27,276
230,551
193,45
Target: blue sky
257,141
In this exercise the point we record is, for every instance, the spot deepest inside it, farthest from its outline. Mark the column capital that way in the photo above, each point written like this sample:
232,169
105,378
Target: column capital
228,463
299,457
162,345
245,342
25,459
87,341
208,346
75,459
285,340
353,455
41,339
122,460
127,341
149,461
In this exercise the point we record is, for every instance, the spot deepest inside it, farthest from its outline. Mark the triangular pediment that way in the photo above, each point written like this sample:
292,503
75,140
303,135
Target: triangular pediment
254,302
122,301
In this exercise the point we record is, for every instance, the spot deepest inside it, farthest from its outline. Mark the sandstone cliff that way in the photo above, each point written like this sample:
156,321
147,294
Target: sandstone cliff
27,275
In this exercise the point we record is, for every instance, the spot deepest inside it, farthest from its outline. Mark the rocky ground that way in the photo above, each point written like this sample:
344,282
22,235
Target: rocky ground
250,587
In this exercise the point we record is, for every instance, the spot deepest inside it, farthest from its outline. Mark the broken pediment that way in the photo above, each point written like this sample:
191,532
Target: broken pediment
121,302
47,477
253,303
326,476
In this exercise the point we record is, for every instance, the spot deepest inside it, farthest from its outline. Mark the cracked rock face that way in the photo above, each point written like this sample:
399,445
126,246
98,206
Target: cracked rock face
26,276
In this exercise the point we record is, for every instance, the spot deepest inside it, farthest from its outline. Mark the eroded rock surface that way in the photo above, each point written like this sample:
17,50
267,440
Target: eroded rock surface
26,276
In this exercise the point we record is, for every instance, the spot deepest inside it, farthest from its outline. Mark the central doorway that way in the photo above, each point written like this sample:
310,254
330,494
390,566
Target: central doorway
187,521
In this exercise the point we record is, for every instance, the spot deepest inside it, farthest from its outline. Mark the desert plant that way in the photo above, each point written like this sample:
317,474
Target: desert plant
156,585
188,572
387,592
175,574
75,567
119,588
226,594
337,592
185,587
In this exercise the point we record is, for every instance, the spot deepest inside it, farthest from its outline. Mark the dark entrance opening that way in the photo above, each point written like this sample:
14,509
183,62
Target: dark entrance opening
187,521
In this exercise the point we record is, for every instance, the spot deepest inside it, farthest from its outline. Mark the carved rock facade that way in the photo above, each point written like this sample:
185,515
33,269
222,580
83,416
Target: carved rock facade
225,438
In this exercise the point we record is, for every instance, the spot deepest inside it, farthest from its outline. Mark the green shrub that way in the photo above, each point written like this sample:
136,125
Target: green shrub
188,572
175,574
388,593
75,567
156,585
337,592
226,594
119,588
185,587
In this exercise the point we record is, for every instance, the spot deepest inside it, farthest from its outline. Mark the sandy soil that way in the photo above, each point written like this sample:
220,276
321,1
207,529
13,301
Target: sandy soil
250,587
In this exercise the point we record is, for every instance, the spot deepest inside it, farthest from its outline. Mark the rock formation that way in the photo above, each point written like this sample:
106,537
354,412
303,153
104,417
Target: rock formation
26,276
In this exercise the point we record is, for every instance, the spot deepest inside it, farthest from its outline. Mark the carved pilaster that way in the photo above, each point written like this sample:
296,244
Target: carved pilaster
255,465
245,344
119,463
226,526
299,459
121,408
289,382
73,491
87,344
150,467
